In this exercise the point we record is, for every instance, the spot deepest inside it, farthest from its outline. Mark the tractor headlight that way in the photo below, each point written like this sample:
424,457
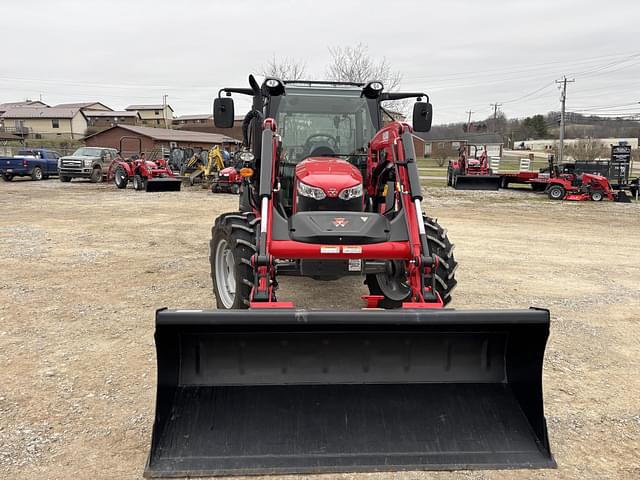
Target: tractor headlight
311,192
351,192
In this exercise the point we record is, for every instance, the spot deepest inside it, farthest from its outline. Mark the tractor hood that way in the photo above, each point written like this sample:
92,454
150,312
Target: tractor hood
227,171
328,173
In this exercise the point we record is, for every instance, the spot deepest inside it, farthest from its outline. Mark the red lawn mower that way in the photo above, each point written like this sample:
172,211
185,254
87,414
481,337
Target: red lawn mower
229,179
152,176
580,187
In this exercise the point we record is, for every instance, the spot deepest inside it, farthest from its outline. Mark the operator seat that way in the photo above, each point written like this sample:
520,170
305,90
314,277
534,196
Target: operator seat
321,151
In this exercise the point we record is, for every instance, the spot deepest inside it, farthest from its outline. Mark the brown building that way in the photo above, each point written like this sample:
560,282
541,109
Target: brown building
27,103
185,122
85,106
105,119
156,139
434,147
204,123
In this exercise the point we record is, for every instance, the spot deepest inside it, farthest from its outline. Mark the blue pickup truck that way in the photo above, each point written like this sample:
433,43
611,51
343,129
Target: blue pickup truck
37,163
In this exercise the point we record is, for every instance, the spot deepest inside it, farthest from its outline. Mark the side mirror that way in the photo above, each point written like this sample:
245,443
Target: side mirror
223,112
422,116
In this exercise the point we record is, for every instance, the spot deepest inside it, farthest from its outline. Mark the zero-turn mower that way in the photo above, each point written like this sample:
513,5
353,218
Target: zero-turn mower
260,387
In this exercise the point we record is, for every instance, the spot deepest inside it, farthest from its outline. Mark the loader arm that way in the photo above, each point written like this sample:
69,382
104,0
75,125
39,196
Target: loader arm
393,145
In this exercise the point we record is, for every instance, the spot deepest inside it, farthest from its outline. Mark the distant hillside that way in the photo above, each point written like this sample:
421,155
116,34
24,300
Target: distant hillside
543,126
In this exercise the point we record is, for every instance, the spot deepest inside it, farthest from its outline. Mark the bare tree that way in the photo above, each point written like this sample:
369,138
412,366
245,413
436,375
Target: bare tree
284,68
354,64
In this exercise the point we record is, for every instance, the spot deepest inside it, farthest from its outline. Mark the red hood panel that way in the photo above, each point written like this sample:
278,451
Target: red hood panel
326,173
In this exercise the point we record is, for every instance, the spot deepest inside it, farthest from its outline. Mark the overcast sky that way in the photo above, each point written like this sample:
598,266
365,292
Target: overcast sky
466,54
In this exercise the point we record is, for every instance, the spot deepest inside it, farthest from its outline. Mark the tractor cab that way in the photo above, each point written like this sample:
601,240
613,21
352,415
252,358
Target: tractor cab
324,130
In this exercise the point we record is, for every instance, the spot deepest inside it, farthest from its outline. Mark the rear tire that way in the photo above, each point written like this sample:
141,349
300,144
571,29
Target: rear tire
120,178
442,249
233,243
36,174
65,179
7,177
556,192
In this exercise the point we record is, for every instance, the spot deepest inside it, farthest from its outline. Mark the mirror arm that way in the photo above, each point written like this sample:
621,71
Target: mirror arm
242,91
401,96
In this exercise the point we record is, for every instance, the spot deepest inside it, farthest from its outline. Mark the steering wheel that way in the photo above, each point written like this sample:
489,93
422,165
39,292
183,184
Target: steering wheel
308,144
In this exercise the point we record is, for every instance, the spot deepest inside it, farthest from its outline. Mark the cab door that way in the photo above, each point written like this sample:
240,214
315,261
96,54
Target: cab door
52,162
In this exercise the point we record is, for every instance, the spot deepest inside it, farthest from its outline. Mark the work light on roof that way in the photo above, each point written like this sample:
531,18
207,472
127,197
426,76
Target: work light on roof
274,86
372,89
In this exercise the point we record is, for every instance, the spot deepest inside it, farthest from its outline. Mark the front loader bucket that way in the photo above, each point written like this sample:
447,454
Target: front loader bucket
477,182
164,184
286,391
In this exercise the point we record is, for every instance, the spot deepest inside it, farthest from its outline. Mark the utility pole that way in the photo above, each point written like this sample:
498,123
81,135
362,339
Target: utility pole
469,121
495,115
164,109
563,97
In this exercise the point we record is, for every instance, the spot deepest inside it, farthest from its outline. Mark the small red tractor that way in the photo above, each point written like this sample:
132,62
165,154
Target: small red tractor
229,179
585,186
471,171
152,176
261,387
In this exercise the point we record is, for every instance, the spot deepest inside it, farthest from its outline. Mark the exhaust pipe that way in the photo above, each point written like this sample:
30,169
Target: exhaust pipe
277,392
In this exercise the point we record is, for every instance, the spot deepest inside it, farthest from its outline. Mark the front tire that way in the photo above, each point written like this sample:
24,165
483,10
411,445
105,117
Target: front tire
65,179
138,182
7,177
36,174
393,285
556,192
121,178
233,243
597,196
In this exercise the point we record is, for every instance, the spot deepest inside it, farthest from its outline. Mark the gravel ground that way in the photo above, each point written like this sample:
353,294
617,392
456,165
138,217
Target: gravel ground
83,266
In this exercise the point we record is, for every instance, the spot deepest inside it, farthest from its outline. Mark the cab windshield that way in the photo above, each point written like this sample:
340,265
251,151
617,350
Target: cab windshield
320,122
87,152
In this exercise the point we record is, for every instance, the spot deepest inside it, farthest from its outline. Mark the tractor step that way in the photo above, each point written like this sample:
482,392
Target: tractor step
278,391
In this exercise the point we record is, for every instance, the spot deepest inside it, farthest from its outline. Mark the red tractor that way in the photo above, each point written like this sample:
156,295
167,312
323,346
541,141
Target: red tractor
152,176
260,387
229,179
471,171
585,186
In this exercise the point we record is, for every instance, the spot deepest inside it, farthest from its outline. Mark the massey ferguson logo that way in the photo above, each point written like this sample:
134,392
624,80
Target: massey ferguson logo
332,192
340,222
